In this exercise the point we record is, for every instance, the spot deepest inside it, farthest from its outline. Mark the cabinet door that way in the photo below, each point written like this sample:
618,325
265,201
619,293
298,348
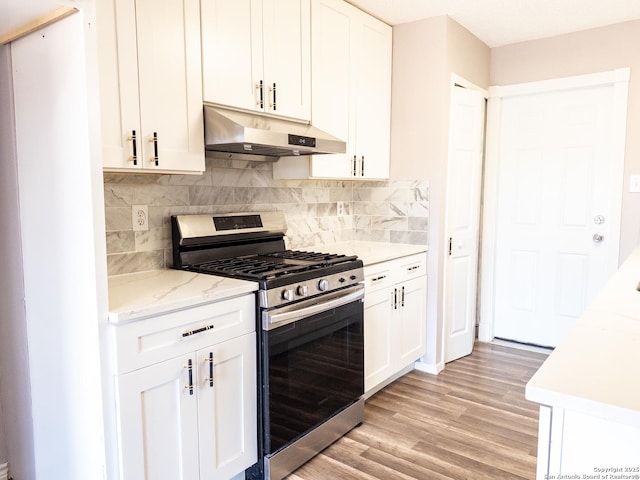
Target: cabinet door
232,52
351,76
245,42
158,422
372,97
411,320
380,338
331,69
287,57
118,71
170,85
150,85
227,407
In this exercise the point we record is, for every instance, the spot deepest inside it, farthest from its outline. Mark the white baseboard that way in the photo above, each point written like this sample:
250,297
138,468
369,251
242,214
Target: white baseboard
4,471
432,368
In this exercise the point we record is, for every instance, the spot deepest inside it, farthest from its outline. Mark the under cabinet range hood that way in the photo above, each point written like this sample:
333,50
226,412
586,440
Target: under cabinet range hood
234,131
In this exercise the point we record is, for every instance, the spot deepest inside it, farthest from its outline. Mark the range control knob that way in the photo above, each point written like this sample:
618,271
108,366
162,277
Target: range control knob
287,294
302,290
323,285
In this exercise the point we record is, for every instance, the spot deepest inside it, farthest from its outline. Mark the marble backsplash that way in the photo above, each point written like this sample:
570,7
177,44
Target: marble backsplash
385,211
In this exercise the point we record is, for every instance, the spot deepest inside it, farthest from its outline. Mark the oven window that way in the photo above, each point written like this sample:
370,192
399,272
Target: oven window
315,368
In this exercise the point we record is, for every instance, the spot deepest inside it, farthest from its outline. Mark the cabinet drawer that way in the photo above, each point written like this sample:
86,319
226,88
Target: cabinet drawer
142,343
378,276
412,267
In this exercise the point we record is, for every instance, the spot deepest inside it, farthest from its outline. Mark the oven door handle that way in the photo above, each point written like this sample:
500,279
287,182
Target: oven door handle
271,320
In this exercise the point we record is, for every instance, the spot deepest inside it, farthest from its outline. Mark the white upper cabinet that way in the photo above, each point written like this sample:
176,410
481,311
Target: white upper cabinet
372,98
256,55
150,85
351,95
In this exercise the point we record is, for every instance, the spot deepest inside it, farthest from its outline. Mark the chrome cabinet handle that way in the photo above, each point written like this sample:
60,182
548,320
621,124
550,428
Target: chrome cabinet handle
273,90
154,140
362,166
189,385
134,147
597,238
377,279
210,379
355,168
402,298
260,86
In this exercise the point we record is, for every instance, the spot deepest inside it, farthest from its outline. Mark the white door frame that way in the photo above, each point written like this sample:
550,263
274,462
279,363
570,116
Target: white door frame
619,78
462,82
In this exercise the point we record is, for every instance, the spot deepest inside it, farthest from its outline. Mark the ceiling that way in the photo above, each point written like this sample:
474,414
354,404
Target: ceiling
501,22
495,22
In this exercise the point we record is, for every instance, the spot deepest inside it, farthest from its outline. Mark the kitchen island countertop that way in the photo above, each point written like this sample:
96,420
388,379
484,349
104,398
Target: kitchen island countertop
139,295
595,369
370,252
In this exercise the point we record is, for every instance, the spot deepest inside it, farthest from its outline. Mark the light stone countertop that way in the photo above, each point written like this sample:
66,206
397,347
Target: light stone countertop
595,369
370,252
139,295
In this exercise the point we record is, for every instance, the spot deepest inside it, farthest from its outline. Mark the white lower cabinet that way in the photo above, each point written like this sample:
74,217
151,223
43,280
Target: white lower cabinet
395,306
578,445
192,416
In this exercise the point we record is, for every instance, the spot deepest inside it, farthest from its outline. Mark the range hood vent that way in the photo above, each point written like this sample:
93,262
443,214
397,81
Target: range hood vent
245,133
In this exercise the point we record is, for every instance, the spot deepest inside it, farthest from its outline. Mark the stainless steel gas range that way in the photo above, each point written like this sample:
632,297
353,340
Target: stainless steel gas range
310,331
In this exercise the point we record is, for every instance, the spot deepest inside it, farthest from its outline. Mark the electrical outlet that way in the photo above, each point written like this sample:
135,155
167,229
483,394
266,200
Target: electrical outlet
140,218
340,209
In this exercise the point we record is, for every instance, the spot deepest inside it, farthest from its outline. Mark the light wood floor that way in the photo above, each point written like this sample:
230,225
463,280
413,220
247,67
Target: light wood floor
470,422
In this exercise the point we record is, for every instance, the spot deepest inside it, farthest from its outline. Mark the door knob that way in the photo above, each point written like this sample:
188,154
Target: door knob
597,238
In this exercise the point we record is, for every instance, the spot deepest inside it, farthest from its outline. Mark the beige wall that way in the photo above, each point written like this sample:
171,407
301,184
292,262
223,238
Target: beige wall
425,54
589,51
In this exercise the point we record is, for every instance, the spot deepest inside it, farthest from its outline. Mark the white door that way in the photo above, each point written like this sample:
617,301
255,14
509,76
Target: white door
464,179
557,227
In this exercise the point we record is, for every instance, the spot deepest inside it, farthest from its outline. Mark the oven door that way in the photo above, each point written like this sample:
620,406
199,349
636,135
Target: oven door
313,361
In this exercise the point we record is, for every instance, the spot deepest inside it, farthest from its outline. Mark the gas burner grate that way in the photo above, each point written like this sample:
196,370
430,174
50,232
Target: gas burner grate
258,267
317,257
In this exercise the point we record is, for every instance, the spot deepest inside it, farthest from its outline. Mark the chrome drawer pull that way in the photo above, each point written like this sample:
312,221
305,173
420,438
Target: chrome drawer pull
197,330
381,277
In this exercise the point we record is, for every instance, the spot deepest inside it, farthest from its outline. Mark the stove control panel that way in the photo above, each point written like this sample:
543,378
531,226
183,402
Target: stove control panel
297,291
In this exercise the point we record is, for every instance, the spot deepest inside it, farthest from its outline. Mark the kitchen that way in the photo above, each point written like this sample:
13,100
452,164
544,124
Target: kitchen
445,47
